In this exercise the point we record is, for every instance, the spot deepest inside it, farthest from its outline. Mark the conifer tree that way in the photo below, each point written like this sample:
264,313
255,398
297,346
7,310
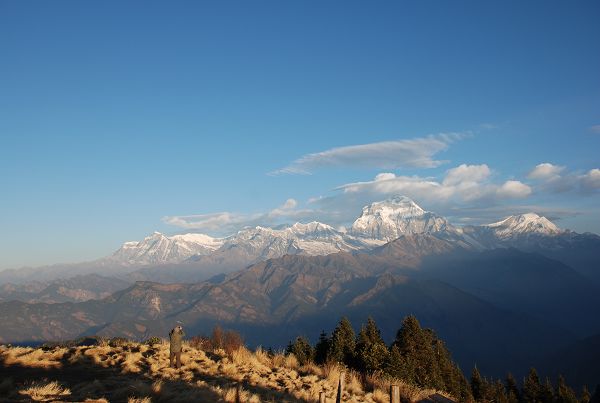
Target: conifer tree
322,348
498,393
585,395
396,365
512,390
415,346
531,387
564,394
419,357
464,389
342,343
302,349
371,351
546,392
477,385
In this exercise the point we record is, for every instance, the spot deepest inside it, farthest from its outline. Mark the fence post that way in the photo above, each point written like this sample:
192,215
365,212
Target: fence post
322,397
394,394
340,391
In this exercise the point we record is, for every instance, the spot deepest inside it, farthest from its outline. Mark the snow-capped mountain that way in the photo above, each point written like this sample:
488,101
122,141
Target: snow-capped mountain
159,248
380,222
387,220
314,238
523,224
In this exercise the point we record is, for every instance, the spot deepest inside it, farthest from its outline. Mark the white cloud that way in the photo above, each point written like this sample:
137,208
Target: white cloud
513,190
465,183
591,180
225,223
466,173
545,171
384,176
595,129
552,178
208,222
413,153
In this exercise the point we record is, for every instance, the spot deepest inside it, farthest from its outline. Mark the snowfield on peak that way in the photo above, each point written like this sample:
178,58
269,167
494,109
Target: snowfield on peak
523,224
159,249
392,218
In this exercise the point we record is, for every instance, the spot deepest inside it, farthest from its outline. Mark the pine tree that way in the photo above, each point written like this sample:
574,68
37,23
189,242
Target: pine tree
396,365
419,357
415,346
480,387
498,393
585,395
342,343
512,390
371,351
546,392
564,394
464,389
302,349
322,348
531,387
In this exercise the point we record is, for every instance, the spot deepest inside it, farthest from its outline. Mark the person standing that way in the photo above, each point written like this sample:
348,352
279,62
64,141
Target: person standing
175,338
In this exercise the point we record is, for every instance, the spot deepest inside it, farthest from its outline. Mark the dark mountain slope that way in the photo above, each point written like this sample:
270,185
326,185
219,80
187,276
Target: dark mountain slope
523,282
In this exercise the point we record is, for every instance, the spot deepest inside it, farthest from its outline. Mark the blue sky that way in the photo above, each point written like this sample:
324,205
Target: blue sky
121,118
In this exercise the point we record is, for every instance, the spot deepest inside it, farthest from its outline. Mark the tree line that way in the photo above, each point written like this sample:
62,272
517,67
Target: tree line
419,357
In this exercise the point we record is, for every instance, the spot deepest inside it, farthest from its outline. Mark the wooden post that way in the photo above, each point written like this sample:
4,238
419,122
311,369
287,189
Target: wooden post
394,394
340,391
322,397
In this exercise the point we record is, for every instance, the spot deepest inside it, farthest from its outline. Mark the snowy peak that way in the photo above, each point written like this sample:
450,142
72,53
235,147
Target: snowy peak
523,224
158,248
393,207
313,238
388,220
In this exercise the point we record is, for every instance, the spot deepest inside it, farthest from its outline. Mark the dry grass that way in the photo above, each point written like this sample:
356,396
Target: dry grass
36,358
139,373
45,392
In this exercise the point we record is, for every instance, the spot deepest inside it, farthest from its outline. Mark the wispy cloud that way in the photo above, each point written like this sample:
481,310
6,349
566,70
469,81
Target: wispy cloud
225,223
408,153
595,129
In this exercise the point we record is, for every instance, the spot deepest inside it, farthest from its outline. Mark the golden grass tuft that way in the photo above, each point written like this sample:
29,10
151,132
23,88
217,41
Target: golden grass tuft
353,383
33,358
45,392
290,361
263,357
146,399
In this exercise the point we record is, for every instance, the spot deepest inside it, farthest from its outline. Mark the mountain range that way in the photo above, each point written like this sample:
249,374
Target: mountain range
504,296
196,257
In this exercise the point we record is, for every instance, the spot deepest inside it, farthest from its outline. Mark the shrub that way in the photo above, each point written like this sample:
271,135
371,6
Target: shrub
118,342
201,343
232,341
227,340
153,340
